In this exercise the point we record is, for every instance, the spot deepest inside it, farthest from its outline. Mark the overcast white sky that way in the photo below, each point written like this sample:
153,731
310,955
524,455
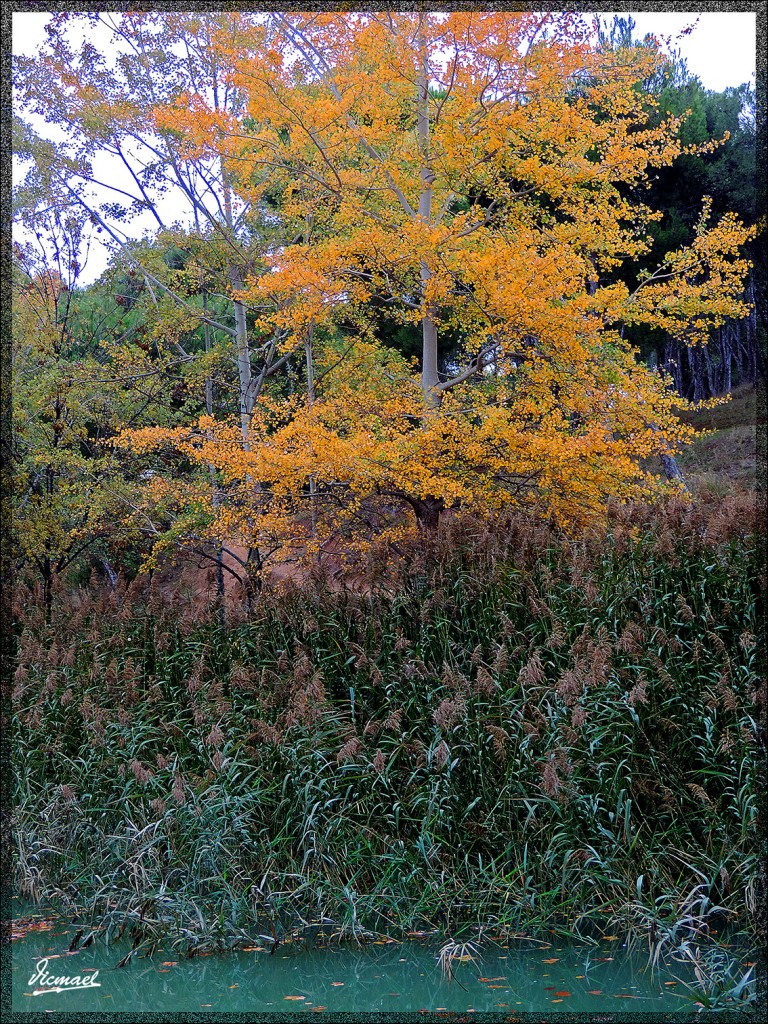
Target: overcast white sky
721,51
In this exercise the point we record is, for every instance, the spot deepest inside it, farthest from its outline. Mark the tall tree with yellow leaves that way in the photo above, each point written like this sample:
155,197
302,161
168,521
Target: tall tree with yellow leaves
473,172
481,172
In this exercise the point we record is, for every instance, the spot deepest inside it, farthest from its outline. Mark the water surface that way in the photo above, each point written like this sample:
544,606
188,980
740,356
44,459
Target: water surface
524,976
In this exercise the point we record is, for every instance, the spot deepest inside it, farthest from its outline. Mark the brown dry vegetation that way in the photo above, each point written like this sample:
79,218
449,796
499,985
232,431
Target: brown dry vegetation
729,456
724,461
502,724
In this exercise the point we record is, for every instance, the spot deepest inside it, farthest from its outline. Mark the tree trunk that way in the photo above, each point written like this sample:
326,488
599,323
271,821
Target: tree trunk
672,364
672,470
243,359
252,582
727,356
429,373
429,377
710,379
669,464
428,512
695,360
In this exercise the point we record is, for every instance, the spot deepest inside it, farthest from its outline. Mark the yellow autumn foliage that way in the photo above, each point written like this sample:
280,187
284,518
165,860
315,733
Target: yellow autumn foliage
474,172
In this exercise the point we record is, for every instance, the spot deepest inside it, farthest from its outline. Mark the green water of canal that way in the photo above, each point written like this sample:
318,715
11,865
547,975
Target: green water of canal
524,976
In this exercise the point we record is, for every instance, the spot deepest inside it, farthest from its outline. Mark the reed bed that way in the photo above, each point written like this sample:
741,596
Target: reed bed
506,731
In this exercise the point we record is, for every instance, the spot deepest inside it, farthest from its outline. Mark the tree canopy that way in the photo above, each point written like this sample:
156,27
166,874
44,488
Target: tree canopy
483,179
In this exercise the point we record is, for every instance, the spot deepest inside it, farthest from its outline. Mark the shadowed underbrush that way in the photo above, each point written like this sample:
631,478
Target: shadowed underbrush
508,729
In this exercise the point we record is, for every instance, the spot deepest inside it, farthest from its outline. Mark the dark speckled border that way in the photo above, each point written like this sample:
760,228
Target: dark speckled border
760,8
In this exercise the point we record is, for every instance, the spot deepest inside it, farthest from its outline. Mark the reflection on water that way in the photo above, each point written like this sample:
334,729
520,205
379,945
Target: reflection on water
385,977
